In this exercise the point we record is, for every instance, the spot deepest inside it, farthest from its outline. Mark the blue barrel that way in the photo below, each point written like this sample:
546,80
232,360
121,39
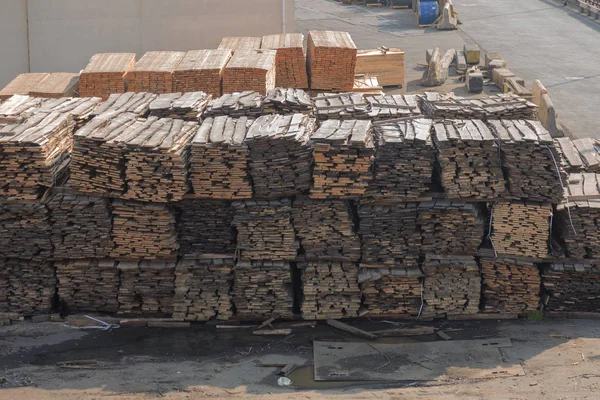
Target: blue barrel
428,12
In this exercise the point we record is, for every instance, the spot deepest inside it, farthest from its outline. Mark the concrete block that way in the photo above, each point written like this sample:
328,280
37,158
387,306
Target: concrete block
493,55
537,90
428,54
547,115
472,53
461,61
495,64
499,75
474,81
449,22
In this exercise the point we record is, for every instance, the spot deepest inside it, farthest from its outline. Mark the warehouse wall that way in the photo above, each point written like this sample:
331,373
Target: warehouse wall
13,39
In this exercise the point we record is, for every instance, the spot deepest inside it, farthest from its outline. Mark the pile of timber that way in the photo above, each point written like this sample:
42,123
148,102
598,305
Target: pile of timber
331,60
250,70
391,292
500,106
468,160
130,102
154,72
105,74
201,71
26,230
26,287
386,64
147,288
326,229
280,155
81,109
571,287
88,285
219,159
341,106
369,85
578,225
56,85
17,108
205,227
23,84
343,156
203,289
287,101
143,231
290,61
329,290
452,286
393,106
186,106
240,43
242,104
263,289
531,162
265,230
404,159
583,186
509,286
579,155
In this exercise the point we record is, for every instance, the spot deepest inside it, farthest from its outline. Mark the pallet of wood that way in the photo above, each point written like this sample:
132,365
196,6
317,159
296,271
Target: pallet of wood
23,84
56,85
203,289
571,287
27,287
105,74
18,107
240,43
201,71
89,285
343,158
250,71
280,155
186,106
341,106
501,106
218,167
579,155
330,290
331,60
290,61
389,292
26,230
384,63
385,107
510,286
287,101
578,227
241,104
130,102
153,72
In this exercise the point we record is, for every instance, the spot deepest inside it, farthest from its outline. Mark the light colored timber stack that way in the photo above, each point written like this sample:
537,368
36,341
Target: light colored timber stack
241,104
571,287
500,106
343,157
386,64
240,43
203,289
578,225
26,287
18,107
105,74
219,159
263,289
579,155
56,85
509,286
290,61
154,72
201,71
186,106
130,102
287,101
23,84
341,106
331,60
329,290
583,186
81,109
25,230
88,285
393,106
250,70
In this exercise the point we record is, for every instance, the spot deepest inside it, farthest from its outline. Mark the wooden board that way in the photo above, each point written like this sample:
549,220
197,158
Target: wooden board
387,65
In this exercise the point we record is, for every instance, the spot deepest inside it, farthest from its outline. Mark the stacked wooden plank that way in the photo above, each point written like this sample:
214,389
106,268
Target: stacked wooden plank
18,107
201,71
343,154
509,286
331,60
130,102
250,70
219,159
23,84
25,230
578,225
265,230
81,109
386,64
263,289
56,85
391,292
326,229
290,61
146,289
385,107
341,106
240,43
531,162
571,287
501,106
88,285
280,155
242,104
583,186
187,106
105,74
579,155
203,289
154,72
287,101
143,231
468,160
329,290
369,85
26,287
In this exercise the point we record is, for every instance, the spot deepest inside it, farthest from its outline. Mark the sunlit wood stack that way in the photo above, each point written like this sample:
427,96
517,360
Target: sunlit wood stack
26,287
18,107
331,60
500,106
81,109
56,85
25,228
578,225
105,74
391,292
201,71
287,101
393,106
250,70
579,155
130,102
154,72
571,287
23,84
290,61
341,106
386,64
241,104
243,43
187,106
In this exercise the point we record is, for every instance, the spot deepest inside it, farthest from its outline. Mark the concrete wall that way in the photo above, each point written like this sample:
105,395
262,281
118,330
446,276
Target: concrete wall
13,40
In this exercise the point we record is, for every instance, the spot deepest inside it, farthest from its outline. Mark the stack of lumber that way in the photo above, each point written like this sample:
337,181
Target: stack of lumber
391,292
341,106
386,64
468,160
450,227
578,225
331,60
367,85
25,230
241,43
571,287
143,231
583,186
389,235
203,289
56,85
290,61
263,289
280,155
147,288
105,74
26,287
404,159
531,162
521,229
23,84
120,103
250,70
509,286
326,229
201,71
219,159
88,285
187,106
205,227
501,106
242,104
17,108
579,155
265,230
287,101
154,72
81,226
343,154
452,286
329,290
393,106
81,109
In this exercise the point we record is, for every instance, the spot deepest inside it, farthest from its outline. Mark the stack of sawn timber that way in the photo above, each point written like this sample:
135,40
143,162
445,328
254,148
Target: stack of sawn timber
341,106
26,230
154,72
105,75
501,106
579,155
121,103
186,106
393,106
201,71
287,101
250,70
27,287
241,104
290,61
17,108
571,287
391,292
331,60
240,43
23,84
578,225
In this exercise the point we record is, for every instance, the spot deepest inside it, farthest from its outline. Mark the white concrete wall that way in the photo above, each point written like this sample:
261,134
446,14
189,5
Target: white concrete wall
13,39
